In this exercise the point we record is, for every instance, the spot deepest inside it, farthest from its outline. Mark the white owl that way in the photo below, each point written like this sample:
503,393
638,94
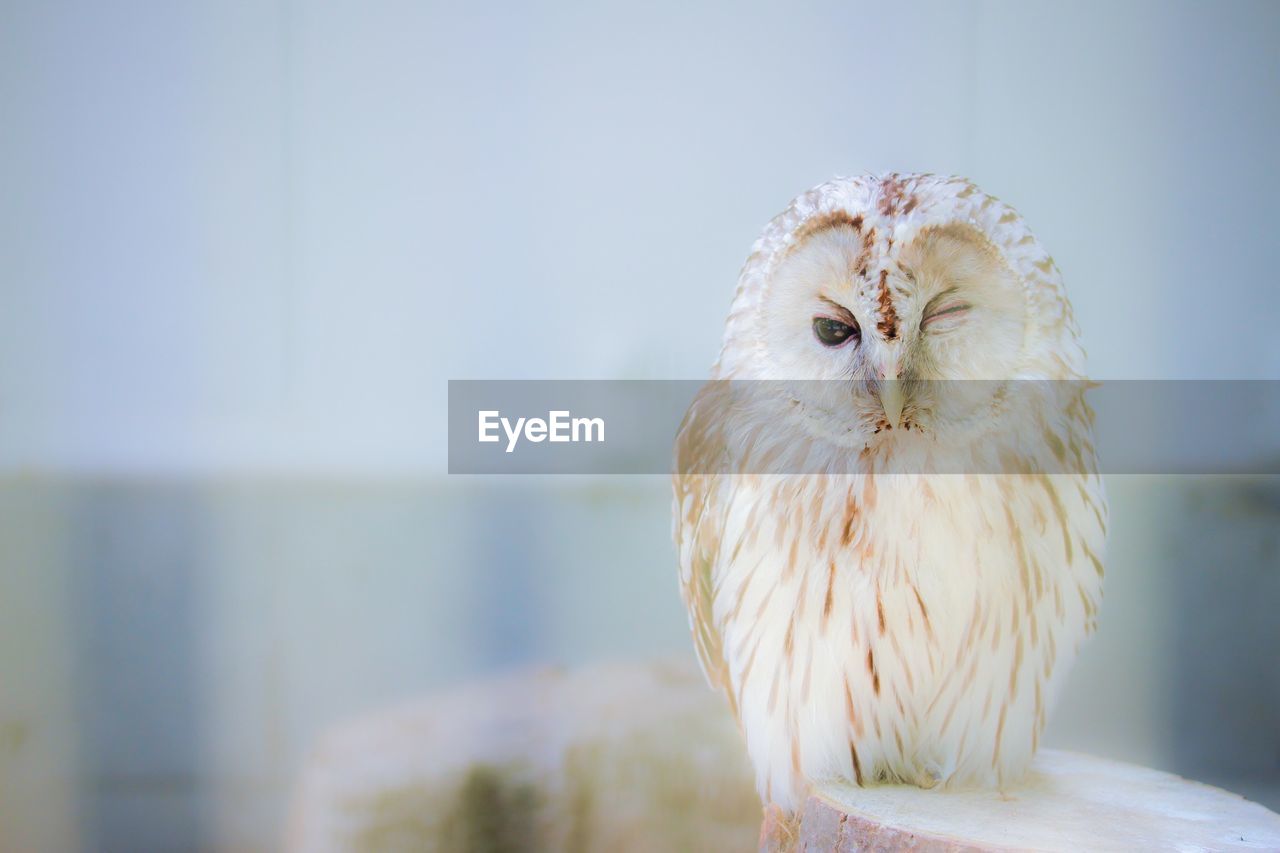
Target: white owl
879,622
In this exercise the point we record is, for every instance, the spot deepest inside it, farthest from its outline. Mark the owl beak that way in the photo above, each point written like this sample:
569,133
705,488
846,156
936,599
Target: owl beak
891,401
891,394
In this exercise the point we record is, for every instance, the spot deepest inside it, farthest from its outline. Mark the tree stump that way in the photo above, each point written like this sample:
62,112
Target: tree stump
1068,802
611,757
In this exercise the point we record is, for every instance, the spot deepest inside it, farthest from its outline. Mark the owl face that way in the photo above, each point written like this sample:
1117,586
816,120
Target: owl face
881,323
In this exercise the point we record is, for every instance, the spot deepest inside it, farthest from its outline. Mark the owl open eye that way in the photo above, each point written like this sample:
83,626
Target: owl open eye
834,333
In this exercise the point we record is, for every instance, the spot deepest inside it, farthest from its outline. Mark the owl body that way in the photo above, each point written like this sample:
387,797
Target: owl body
881,621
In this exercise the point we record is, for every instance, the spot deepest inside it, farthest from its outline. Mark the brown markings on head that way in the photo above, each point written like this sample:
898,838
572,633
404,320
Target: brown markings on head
890,195
888,323
894,198
834,219
864,256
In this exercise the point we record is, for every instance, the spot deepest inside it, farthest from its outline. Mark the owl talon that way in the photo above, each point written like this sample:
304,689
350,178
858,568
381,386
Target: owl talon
780,830
931,776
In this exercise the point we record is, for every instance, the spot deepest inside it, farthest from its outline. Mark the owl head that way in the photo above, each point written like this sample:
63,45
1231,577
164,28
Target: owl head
873,298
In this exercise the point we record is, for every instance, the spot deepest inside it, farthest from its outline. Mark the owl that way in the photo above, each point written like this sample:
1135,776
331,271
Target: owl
891,548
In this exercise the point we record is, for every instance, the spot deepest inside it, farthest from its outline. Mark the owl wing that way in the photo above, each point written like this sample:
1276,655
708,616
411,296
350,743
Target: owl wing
701,503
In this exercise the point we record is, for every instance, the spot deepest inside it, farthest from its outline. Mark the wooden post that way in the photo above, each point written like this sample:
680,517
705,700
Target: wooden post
1068,802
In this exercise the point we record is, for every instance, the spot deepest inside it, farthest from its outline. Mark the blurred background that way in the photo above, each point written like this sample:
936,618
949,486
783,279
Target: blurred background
244,245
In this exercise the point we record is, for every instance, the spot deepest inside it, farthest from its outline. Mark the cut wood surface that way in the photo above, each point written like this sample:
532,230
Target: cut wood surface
1068,802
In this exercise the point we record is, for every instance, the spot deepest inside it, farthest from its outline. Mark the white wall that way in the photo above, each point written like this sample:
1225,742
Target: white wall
260,235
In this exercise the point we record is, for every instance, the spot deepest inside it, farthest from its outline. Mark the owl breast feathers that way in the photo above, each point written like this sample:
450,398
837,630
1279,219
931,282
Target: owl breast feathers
869,617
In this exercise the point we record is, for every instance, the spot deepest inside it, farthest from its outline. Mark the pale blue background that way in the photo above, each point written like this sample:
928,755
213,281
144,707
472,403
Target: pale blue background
243,246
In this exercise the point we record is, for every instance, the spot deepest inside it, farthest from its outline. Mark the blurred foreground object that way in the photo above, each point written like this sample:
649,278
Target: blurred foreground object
618,757
1069,802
